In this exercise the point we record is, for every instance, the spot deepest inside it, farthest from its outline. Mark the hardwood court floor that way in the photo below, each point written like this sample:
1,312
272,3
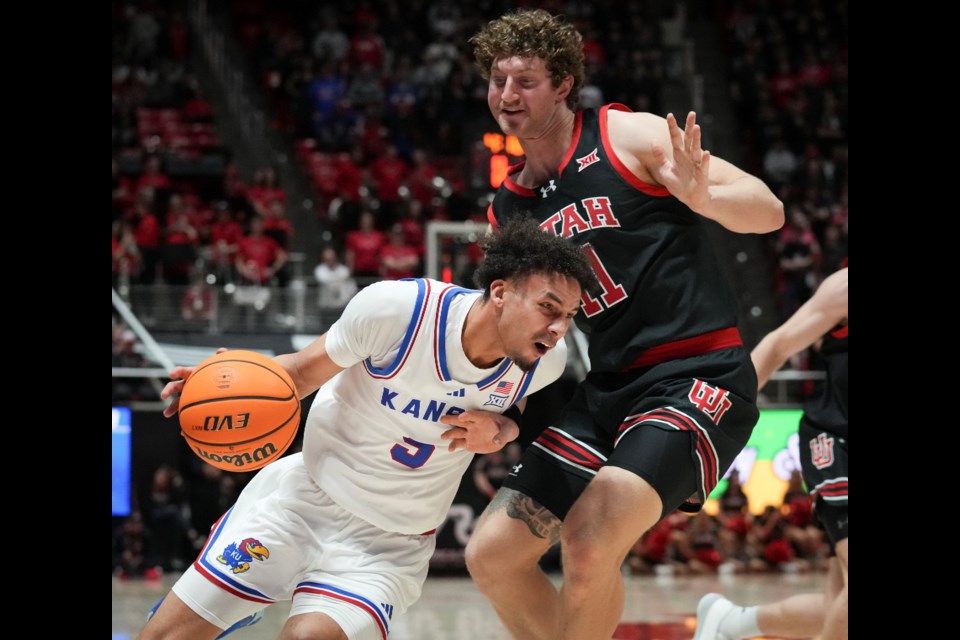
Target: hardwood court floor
657,607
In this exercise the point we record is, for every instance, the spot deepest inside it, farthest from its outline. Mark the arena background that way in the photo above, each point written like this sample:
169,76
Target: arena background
218,93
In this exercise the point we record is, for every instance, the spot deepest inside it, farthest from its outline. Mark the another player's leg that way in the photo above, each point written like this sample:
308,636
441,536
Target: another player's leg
250,620
173,620
503,555
799,616
616,508
835,627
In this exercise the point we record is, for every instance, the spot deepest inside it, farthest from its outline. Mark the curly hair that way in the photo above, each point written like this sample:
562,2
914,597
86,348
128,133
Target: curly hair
520,248
533,34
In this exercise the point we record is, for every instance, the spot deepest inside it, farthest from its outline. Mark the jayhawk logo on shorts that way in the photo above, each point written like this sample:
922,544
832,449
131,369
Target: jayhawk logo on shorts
238,556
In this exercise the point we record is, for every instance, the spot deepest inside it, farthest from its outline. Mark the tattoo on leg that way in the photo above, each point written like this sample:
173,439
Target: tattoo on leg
539,519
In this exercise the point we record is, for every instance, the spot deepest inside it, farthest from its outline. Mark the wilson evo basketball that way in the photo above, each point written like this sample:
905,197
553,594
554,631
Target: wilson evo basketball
239,410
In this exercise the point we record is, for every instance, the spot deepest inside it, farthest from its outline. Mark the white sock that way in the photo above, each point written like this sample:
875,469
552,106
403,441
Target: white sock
740,622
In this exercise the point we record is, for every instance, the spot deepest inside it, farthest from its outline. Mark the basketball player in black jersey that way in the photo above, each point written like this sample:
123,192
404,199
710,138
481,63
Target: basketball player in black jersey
670,399
823,460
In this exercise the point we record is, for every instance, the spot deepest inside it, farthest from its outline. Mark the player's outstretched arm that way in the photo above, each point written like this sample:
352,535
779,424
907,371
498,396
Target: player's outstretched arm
825,309
708,184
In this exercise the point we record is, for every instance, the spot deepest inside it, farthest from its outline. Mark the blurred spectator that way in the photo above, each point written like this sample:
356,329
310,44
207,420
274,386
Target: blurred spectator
389,173
130,548
335,283
398,259
146,230
126,255
340,130
225,235
264,189
703,548
277,225
166,517
126,355
365,88
153,175
122,191
366,45
179,249
197,303
799,254
259,257
412,222
330,42
363,248
779,164
328,87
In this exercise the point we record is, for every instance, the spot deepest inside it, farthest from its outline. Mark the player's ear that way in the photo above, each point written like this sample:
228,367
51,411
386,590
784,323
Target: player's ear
497,289
566,85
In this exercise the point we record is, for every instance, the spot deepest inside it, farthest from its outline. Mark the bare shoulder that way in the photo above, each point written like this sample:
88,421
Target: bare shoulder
632,135
636,125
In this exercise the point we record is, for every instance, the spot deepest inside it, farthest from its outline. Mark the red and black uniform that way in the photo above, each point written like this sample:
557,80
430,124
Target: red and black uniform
823,438
664,348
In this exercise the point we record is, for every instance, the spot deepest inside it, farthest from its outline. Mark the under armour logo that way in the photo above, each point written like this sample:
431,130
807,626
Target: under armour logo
548,188
516,469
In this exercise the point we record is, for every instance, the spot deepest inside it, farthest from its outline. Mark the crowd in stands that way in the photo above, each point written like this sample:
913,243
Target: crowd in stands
783,538
789,84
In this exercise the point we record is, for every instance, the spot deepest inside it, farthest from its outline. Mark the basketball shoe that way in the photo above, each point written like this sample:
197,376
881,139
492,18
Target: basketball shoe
711,611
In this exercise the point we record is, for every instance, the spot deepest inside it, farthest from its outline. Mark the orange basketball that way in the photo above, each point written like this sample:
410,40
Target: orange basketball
239,410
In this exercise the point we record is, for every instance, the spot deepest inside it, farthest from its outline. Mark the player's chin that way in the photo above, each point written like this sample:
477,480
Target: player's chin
526,363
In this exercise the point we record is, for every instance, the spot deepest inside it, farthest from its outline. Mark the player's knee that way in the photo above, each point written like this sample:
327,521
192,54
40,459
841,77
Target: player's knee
485,559
584,556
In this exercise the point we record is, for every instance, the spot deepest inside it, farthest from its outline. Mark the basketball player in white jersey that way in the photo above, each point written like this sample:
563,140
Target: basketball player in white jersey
344,529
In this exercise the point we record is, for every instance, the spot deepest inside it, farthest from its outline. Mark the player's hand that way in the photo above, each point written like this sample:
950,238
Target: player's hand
687,175
479,431
178,375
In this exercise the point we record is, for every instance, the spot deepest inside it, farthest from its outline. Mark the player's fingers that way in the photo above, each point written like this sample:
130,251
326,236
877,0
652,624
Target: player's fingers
171,409
676,136
453,433
171,388
452,420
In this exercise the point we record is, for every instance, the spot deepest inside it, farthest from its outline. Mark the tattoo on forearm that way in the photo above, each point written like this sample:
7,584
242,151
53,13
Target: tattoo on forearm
541,522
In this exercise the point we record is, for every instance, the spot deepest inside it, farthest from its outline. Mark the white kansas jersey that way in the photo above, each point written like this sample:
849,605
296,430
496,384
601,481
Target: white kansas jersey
372,439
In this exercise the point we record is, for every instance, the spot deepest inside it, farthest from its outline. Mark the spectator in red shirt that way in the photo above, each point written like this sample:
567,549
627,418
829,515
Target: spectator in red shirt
421,178
224,240
366,46
397,258
277,225
259,257
179,249
363,249
146,231
265,188
389,173
122,191
153,175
